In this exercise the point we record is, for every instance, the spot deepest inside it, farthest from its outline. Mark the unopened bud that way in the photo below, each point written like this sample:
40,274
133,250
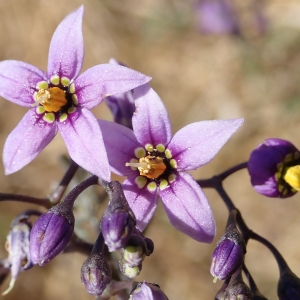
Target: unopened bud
118,219
147,291
95,274
51,233
128,270
137,247
228,255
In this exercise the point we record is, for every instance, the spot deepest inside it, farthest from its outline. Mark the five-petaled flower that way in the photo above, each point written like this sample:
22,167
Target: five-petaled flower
157,163
60,99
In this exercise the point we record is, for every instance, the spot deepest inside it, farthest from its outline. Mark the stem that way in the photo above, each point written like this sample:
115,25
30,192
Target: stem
282,265
253,287
71,197
25,199
228,202
213,181
56,196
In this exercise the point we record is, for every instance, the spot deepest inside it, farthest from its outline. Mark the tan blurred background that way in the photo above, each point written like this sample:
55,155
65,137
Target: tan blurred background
199,77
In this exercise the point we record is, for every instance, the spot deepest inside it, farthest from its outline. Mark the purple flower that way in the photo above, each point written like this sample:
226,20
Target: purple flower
60,99
217,17
274,168
156,164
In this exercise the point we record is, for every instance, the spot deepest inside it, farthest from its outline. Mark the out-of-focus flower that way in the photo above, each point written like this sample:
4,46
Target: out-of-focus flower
17,245
60,99
147,291
216,17
228,255
274,168
157,163
121,105
118,219
51,233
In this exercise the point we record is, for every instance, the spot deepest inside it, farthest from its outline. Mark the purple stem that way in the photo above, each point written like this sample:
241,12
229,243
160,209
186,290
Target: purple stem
56,196
25,199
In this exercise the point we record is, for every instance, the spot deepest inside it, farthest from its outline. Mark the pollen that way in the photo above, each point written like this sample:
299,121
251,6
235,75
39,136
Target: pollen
149,166
52,99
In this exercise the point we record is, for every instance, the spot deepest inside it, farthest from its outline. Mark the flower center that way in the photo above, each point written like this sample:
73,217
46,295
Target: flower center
157,168
288,174
56,99
149,166
53,99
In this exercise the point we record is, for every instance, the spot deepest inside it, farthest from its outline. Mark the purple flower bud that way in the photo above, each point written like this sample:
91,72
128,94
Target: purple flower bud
274,168
228,255
121,105
118,220
17,245
95,274
217,17
51,233
116,228
288,286
147,291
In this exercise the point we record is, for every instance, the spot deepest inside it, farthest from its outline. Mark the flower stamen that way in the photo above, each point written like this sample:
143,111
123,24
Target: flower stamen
52,99
149,166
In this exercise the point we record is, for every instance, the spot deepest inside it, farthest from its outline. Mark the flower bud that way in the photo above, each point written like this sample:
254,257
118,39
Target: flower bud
95,274
118,219
51,233
288,286
137,247
147,291
274,168
122,105
228,255
17,245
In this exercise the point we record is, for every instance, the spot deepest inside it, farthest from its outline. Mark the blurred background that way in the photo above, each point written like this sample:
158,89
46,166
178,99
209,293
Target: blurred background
209,59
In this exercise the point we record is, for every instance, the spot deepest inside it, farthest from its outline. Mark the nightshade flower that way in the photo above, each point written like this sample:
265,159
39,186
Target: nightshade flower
274,168
60,99
156,164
